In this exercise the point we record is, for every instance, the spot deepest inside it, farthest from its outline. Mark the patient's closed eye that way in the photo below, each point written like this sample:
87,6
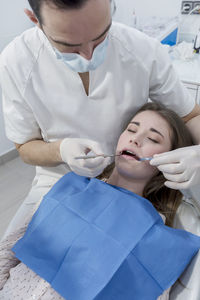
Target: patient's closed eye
131,130
154,141
151,139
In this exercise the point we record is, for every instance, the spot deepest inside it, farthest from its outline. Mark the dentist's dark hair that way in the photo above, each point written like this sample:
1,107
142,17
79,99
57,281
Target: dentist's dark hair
164,199
60,4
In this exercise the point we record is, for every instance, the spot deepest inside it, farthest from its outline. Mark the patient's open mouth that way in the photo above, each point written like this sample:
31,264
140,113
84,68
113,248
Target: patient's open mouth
129,153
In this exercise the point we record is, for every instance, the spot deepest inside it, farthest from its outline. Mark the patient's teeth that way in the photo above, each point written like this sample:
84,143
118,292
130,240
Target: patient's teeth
130,152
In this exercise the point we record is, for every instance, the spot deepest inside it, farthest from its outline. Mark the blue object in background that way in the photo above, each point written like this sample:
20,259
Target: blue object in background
171,38
94,241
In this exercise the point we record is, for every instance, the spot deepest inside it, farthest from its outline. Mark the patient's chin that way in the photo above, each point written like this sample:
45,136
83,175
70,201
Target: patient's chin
136,169
136,173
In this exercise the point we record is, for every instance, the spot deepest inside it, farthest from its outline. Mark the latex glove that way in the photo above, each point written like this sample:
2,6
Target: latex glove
72,147
181,167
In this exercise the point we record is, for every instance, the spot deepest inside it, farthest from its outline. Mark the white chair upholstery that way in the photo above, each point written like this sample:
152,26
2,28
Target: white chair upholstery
188,218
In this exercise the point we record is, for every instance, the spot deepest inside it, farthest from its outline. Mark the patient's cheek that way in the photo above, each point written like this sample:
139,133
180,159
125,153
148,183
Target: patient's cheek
151,169
152,152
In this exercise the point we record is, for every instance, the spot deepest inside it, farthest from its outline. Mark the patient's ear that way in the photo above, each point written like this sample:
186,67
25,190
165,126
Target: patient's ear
32,16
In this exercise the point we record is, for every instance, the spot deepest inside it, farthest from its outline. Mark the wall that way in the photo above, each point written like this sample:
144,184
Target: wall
162,8
188,25
12,22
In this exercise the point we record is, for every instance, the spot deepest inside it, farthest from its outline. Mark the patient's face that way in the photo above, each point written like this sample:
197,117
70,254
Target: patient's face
147,134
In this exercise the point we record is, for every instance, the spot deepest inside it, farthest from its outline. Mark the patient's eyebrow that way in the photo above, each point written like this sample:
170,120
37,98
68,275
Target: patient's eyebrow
155,130
136,123
151,129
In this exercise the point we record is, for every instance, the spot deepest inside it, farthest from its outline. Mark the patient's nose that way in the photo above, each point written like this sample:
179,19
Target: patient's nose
136,141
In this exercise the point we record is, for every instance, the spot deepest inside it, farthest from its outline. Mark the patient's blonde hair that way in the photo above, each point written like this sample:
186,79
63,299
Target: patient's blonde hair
165,200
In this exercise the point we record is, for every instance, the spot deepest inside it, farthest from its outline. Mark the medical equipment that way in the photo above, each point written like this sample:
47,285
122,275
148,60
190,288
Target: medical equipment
112,155
97,155
113,7
145,158
184,51
73,147
162,28
197,42
188,25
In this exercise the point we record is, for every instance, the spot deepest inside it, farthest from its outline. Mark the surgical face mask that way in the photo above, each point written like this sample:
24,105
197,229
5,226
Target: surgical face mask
79,64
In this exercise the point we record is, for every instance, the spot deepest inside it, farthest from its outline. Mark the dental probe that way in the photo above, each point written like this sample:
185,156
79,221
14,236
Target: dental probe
113,155
145,158
94,156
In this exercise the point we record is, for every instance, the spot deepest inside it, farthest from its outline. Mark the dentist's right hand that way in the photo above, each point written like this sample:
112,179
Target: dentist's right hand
73,147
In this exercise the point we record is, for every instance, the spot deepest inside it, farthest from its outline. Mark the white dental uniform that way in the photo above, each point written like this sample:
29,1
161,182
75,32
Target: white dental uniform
43,98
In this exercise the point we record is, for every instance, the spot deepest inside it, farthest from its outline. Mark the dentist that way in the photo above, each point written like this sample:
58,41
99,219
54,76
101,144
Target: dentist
75,78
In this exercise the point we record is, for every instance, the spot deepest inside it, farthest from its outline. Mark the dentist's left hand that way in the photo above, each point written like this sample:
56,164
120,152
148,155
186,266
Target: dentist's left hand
72,147
181,167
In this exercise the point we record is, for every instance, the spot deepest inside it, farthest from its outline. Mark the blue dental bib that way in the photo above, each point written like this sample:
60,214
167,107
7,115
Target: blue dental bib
94,241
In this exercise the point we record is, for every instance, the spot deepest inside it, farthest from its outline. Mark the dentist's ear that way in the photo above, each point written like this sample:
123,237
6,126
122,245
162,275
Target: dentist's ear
32,16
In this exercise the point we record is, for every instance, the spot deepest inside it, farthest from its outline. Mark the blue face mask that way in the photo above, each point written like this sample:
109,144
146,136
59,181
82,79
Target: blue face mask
79,64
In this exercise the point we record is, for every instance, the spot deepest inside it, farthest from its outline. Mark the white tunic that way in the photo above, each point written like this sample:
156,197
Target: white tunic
43,98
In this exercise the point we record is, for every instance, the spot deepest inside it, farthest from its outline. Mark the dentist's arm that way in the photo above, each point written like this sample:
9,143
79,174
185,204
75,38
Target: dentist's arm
40,153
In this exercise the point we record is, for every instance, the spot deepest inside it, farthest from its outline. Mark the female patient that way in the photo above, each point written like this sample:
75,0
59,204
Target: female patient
154,129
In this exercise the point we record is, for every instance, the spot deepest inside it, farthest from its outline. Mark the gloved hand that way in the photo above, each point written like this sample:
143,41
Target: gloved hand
181,167
72,147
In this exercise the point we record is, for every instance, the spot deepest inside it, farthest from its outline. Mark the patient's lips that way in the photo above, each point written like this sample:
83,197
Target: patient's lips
129,154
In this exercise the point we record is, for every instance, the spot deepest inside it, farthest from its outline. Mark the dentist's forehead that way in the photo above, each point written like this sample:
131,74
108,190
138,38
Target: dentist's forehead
77,25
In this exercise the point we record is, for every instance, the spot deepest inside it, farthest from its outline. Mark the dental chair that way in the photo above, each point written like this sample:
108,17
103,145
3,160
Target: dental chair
188,218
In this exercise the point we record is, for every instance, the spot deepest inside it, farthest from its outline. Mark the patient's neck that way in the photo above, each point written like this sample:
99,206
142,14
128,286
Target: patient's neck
134,185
